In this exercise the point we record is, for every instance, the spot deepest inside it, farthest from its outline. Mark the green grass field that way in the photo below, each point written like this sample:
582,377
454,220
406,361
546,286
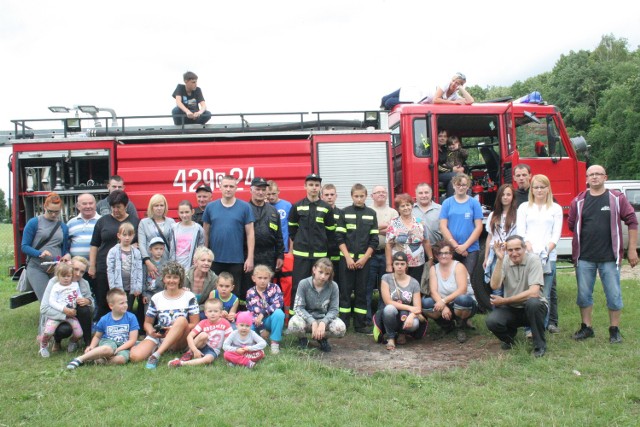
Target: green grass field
294,388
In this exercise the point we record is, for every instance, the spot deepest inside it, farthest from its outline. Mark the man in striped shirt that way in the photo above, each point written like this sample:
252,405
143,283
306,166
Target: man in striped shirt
81,227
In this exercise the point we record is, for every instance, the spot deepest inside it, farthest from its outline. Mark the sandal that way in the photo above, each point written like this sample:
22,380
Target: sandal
75,363
391,345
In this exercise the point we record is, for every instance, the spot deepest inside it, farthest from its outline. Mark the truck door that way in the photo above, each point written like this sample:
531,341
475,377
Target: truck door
540,145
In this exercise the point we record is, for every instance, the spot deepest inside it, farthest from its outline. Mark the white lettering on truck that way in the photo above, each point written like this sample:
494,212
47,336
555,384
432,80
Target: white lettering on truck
193,178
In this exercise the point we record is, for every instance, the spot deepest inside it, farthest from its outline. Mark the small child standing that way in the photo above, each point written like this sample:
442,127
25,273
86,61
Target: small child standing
229,300
63,298
265,302
153,285
124,269
244,346
186,236
205,340
116,333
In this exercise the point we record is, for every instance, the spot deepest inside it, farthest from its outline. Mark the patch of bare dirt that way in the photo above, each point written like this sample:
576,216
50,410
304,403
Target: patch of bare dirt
434,352
626,272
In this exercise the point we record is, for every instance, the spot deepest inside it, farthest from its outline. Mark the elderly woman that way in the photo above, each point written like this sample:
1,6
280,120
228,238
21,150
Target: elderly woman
103,239
84,308
156,224
451,300
405,234
200,279
45,238
402,310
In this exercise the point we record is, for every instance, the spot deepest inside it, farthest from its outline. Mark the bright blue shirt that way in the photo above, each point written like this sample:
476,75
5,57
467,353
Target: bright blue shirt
461,217
283,207
117,330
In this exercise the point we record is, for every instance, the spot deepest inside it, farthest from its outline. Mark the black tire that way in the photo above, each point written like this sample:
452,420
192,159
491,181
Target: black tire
481,289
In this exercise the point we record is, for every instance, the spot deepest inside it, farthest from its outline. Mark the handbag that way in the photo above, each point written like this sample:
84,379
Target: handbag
23,283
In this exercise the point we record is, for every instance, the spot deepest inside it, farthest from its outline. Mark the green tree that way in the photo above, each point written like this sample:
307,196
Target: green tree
4,211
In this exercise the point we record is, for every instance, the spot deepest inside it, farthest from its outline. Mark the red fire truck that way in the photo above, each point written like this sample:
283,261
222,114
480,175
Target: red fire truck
397,149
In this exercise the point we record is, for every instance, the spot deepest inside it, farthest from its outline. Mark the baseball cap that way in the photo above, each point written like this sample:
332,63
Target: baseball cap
204,188
259,182
156,240
313,177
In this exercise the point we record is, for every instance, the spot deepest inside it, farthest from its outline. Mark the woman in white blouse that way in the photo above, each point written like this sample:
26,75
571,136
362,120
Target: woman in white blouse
539,222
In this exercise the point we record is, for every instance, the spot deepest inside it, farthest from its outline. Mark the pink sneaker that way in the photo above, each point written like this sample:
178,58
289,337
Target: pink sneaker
188,355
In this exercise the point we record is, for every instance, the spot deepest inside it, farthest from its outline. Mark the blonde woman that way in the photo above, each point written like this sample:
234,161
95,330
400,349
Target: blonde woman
156,224
539,222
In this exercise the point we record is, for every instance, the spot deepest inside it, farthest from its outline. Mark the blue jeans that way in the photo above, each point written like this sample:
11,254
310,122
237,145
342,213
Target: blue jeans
610,277
461,302
393,323
377,268
178,113
548,284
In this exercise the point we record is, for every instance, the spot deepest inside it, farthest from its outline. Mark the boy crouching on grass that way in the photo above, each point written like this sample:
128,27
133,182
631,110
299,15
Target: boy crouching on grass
116,333
205,340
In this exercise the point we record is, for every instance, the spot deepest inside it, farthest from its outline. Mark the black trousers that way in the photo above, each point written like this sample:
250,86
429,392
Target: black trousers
84,314
353,282
505,320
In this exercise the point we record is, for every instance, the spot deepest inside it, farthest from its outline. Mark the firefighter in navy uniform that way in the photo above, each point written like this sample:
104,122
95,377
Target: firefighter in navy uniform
357,237
269,246
329,194
311,229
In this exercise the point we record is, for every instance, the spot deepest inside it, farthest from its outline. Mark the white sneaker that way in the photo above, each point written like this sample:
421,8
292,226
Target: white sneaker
44,352
275,348
72,347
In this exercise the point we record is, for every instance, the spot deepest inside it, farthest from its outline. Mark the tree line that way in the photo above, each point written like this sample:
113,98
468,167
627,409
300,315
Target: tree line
598,94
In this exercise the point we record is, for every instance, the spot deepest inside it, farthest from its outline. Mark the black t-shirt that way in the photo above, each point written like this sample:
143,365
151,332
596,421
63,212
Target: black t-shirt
192,101
595,235
105,237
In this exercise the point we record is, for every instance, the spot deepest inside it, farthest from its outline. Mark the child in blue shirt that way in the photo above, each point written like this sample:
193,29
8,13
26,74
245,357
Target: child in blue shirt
116,333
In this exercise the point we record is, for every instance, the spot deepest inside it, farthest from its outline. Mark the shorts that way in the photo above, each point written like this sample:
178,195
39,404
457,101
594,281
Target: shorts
156,341
208,350
114,345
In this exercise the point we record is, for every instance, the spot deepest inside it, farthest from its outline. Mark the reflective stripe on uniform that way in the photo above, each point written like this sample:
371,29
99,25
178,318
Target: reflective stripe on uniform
374,231
321,209
341,230
320,219
351,227
273,226
360,311
319,254
298,253
350,216
367,217
346,310
302,208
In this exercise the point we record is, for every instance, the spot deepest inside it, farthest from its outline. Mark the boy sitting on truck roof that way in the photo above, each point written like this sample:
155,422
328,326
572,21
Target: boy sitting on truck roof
189,102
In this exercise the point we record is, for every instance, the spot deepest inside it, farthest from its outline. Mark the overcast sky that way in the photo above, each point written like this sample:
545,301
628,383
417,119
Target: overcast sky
270,56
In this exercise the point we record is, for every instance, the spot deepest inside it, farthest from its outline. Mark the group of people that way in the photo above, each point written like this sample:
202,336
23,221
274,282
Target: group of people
209,287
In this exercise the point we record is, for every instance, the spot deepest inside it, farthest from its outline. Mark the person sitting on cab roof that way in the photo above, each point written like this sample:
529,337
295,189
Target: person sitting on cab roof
453,93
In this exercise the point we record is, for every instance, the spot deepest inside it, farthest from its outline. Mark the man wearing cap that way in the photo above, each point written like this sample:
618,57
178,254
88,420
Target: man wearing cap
228,226
203,197
269,247
312,229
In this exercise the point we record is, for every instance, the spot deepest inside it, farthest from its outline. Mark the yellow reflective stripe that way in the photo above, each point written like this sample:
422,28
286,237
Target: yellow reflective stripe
321,209
351,216
335,258
330,228
336,216
298,253
293,224
320,219
360,311
292,313
302,208
367,217
374,231
352,255
273,226
348,310
351,226
319,254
